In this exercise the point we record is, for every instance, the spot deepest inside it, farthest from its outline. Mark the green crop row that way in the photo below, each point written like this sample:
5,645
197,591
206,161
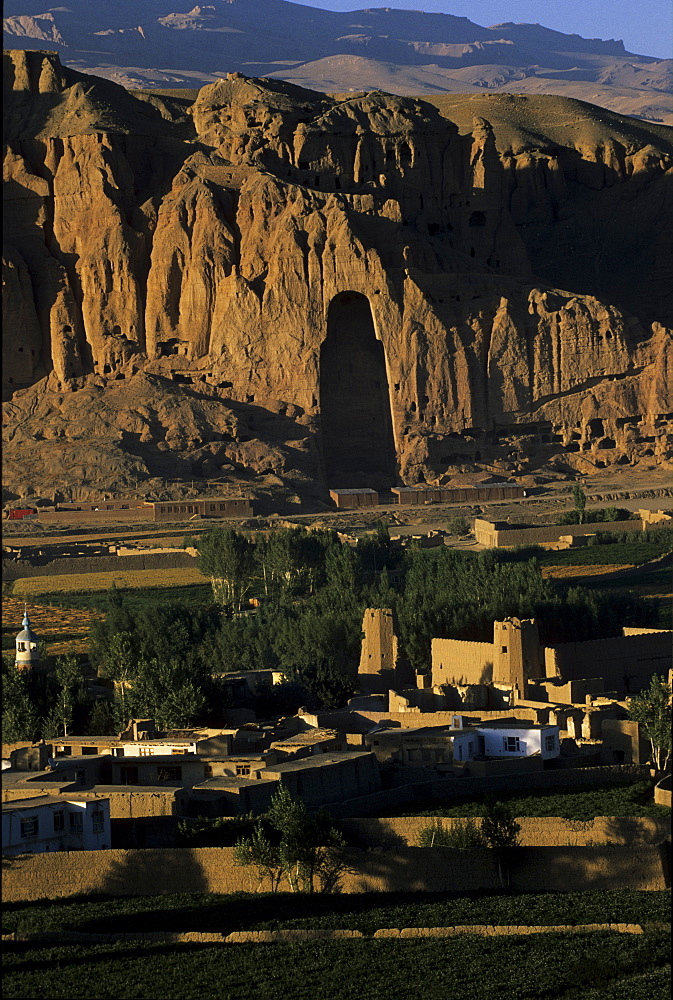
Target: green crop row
548,967
366,911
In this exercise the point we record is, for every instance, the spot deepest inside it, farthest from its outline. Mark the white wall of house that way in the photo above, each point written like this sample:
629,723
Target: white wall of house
520,742
465,745
45,824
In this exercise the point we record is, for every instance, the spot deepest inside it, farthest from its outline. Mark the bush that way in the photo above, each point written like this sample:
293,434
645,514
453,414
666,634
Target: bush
462,835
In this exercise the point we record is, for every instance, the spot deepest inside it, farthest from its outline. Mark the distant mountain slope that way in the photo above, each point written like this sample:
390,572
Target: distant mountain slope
174,43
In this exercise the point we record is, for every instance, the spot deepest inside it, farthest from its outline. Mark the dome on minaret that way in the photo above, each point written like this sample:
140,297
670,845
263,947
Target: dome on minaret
27,653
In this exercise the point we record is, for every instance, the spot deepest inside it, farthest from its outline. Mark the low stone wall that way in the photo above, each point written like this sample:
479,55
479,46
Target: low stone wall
406,869
546,831
662,792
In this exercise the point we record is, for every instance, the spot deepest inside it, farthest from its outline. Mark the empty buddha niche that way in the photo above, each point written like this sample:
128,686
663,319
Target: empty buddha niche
357,434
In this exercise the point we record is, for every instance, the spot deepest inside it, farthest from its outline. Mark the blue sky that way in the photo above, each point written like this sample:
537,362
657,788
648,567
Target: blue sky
645,26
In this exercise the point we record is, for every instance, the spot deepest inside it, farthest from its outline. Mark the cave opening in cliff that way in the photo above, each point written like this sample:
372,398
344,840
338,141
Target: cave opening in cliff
357,432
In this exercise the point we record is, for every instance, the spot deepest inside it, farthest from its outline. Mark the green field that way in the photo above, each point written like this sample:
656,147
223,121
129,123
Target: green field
546,967
634,799
366,912
194,595
615,554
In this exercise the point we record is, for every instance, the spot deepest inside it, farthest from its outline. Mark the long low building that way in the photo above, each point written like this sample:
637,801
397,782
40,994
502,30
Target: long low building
414,495
145,510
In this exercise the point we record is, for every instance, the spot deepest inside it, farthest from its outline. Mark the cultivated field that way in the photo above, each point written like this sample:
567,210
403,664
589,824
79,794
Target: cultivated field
123,579
65,630
598,965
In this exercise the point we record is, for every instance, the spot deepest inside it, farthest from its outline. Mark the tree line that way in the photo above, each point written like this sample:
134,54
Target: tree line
168,661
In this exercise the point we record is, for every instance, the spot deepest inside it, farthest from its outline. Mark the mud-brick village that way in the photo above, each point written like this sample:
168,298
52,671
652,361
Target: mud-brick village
337,509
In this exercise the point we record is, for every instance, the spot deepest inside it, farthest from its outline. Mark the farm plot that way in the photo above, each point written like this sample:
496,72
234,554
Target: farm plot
65,630
123,579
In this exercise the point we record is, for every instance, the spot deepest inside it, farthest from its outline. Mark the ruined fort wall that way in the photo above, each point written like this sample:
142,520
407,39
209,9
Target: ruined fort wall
636,657
455,661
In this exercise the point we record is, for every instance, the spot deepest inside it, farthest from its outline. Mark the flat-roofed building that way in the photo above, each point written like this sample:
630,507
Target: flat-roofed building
183,510
355,498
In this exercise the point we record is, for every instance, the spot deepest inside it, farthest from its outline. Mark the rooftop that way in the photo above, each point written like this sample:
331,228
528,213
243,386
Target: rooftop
355,492
319,760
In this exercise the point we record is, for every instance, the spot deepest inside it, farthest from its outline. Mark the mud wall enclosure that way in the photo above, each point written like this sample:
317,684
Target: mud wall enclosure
411,869
276,283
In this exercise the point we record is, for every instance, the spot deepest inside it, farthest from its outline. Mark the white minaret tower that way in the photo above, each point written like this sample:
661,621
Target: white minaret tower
27,655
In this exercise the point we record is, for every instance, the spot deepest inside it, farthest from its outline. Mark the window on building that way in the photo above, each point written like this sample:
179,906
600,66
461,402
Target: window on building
242,769
80,777
89,751
76,822
29,827
129,775
169,774
179,751
144,751
98,821
59,821
503,649
511,744
208,771
550,743
21,646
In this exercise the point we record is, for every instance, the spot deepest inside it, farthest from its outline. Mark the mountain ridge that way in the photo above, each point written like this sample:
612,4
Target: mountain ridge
398,51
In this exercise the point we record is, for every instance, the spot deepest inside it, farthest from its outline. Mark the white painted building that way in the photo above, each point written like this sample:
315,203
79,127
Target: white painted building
50,823
517,738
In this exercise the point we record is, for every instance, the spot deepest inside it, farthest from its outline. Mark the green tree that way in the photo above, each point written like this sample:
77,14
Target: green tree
167,691
579,502
291,844
20,719
102,721
501,833
459,526
71,692
499,827
227,557
652,710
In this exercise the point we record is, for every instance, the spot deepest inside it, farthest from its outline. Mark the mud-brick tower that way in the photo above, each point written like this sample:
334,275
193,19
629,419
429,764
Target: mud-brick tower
378,657
517,655
27,652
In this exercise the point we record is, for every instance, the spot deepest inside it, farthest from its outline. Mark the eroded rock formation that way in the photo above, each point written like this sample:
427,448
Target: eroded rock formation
177,275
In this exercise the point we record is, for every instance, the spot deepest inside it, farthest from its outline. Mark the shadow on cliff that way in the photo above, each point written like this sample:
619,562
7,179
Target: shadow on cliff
592,239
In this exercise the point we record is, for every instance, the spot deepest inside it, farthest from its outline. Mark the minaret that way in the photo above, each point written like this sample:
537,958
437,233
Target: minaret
27,654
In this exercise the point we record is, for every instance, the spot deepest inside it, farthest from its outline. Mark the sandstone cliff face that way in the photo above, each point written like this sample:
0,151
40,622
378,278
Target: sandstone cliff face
213,258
